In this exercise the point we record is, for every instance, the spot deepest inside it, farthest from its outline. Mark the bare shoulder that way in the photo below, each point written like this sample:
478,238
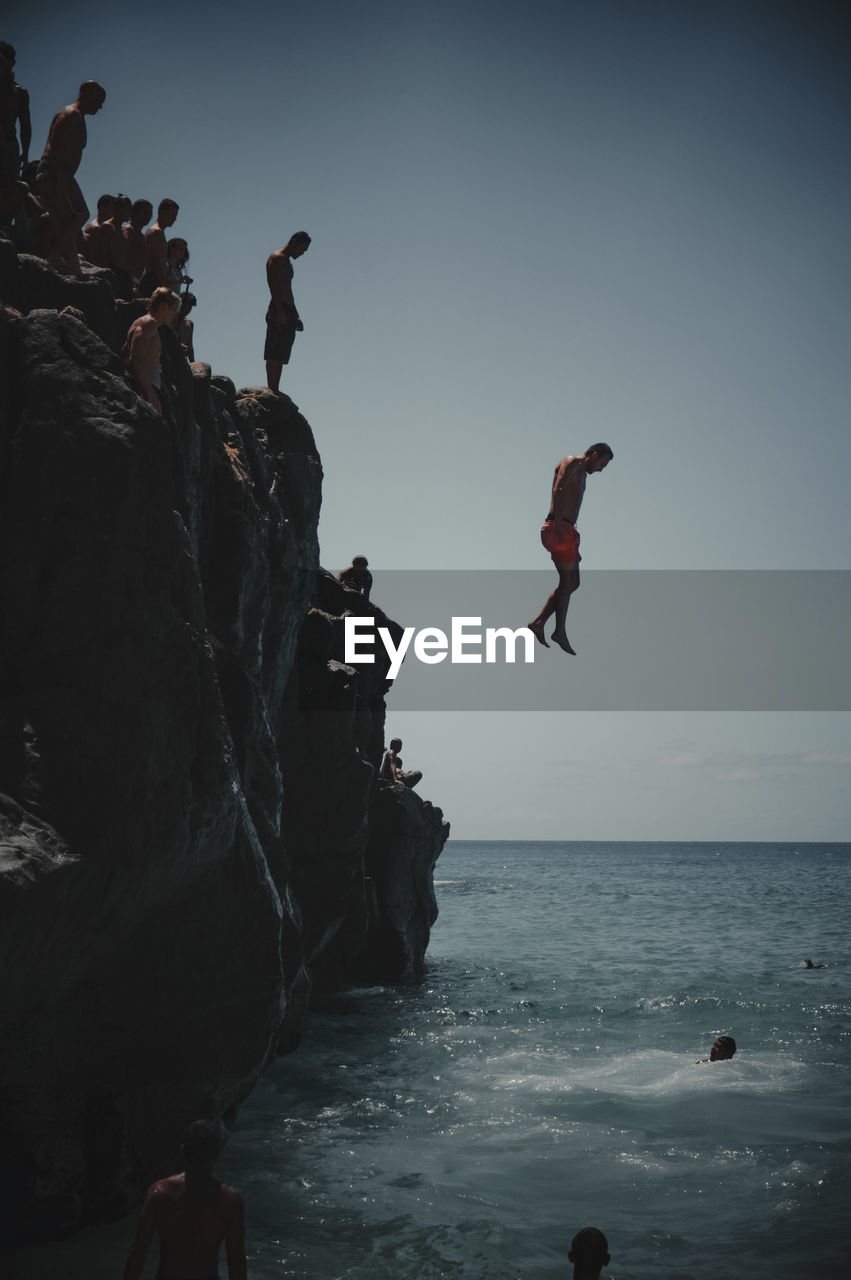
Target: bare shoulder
566,465
161,1193
68,119
144,324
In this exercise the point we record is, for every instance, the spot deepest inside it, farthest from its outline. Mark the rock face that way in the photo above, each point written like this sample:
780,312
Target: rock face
191,831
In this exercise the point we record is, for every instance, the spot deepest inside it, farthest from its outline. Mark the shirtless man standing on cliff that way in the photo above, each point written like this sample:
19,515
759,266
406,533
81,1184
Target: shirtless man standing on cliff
282,319
155,274
194,1214
55,183
143,347
561,537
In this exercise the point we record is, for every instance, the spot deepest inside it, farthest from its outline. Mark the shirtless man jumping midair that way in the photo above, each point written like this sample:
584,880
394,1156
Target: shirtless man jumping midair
561,537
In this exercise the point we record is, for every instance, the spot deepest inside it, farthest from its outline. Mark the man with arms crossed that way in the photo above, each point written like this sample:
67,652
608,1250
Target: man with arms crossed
282,319
561,537
194,1214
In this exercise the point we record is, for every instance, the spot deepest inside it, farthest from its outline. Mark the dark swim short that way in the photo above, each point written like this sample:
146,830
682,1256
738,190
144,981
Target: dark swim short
279,342
71,202
561,539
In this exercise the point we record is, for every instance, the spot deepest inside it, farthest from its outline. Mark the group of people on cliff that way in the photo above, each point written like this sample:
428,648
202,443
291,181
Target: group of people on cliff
43,203
43,207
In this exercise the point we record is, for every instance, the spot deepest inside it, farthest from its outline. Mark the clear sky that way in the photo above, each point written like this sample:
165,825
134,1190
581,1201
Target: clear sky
534,227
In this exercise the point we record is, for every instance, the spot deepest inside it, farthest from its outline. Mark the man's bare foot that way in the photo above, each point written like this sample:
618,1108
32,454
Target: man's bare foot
537,629
563,642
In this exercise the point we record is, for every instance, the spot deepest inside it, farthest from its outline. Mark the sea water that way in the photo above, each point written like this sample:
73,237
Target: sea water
544,1076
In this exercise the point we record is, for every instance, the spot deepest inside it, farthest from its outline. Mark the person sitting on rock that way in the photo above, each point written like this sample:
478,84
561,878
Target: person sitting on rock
55,183
99,232
193,1213
141,213
391,767
185,327
589,1253
155,274
357,577
143,347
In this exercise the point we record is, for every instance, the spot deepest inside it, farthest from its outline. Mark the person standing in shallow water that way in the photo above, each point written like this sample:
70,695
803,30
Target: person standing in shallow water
282,319
194,1214
560,537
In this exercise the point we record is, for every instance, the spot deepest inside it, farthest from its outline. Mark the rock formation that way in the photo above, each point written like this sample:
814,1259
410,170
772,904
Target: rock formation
191,831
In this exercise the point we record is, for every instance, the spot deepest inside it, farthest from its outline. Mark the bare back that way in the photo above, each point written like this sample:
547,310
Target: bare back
568,489
193,1218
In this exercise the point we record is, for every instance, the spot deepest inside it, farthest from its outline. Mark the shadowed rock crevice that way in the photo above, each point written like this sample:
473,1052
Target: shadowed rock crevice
189,814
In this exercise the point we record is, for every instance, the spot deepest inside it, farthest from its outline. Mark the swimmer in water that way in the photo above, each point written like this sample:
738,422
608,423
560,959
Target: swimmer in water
722,1050
589,1253
808,964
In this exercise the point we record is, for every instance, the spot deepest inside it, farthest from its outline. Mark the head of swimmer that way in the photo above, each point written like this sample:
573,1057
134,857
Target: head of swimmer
723,1048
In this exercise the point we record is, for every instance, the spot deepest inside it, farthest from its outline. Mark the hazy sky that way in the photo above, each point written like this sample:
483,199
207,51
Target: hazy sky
534,227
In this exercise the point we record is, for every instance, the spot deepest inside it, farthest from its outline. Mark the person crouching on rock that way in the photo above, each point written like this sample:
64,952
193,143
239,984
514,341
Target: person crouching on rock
143,348
391,767
194,1215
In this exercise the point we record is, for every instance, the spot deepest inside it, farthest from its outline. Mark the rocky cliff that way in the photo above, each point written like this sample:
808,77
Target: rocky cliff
192,837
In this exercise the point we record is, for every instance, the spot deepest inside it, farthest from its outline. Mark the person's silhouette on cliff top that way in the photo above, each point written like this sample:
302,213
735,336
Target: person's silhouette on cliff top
560,537
141,213
119,250
55,183
15,115
155,274
194,1214
282,319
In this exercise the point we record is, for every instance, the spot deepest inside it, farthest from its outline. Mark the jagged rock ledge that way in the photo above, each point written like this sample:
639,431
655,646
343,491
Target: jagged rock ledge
192,837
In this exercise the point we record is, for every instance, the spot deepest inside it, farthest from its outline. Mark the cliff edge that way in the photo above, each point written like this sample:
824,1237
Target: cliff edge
192,836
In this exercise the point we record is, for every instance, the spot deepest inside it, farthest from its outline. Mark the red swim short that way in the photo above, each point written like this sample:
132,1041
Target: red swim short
561,539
